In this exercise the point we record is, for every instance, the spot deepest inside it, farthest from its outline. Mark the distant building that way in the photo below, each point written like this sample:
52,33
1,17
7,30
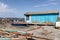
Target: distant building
9,20
40,17
16,19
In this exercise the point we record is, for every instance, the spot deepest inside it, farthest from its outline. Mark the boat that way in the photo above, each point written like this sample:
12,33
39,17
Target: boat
18,23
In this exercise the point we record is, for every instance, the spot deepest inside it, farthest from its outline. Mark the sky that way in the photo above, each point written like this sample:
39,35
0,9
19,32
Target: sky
17,8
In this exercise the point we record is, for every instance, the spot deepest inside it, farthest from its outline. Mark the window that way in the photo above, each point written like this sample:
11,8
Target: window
27,17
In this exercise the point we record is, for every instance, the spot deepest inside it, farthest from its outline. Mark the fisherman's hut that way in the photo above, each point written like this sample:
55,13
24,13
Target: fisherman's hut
42,17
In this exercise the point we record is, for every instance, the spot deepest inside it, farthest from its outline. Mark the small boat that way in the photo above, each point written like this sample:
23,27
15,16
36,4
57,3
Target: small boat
18,23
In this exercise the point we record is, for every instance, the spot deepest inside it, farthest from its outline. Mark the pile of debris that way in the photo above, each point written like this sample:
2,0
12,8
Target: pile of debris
38,33
46,32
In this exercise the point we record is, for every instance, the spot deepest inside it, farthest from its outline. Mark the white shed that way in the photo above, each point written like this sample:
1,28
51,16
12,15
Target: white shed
58,24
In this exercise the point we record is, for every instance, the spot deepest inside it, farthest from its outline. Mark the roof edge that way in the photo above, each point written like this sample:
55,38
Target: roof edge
44,12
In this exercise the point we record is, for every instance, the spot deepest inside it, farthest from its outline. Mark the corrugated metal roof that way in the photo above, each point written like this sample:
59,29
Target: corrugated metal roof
45,12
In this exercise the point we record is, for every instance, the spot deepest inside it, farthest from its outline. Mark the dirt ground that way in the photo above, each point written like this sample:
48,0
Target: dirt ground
45,32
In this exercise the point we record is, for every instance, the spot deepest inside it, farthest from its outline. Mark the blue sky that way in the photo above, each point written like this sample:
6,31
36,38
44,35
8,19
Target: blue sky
17,8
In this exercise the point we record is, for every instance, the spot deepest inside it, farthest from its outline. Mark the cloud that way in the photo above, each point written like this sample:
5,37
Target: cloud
48,4
53,3
41,5
52,0
4,8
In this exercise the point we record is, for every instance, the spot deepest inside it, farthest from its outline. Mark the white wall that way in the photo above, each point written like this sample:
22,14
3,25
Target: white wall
58,24
28,21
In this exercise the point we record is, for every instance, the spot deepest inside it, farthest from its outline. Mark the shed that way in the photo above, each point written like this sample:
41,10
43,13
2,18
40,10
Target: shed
41,17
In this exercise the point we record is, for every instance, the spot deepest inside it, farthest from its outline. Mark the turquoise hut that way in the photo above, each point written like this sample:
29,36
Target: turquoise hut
40,17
